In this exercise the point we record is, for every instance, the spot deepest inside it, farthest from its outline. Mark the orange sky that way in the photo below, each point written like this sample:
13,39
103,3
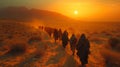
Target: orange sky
89,10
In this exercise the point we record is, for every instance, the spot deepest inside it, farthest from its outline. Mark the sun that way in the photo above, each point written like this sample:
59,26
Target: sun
76,12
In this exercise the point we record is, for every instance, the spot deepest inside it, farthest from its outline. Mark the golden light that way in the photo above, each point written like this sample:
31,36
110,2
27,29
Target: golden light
76,12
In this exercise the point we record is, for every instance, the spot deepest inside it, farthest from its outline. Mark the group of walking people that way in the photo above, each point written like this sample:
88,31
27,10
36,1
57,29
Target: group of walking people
81,44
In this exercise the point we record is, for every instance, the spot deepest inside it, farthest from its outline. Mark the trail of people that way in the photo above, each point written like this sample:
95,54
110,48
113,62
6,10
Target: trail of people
47,51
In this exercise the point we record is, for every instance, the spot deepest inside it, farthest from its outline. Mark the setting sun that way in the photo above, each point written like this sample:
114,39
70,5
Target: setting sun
59,33
75,12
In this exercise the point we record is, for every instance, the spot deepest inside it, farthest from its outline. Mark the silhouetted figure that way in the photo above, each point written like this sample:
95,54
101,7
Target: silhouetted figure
40,27
83,49
60,34
73,41
65,39
49,31
55,34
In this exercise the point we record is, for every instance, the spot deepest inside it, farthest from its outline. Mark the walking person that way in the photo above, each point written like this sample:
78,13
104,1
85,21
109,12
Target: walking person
60,34
55,34
83,49
73,41
65,39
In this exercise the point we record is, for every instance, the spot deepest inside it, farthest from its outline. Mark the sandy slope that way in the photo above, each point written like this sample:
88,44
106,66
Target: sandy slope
44,53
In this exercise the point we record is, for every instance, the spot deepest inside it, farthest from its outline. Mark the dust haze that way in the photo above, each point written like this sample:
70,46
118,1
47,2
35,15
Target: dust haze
20,28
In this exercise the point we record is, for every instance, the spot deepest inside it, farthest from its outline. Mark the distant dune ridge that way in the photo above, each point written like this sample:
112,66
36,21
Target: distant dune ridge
48,18
25,14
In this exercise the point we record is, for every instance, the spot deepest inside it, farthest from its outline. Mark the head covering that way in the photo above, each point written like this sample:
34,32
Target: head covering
83,37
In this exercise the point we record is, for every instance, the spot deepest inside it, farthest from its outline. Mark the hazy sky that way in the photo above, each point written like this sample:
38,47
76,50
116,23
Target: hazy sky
87,9
44,3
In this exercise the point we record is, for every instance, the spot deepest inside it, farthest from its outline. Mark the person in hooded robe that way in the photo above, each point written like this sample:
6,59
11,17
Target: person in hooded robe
73,41
55,34
65,39
60,34
83,49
